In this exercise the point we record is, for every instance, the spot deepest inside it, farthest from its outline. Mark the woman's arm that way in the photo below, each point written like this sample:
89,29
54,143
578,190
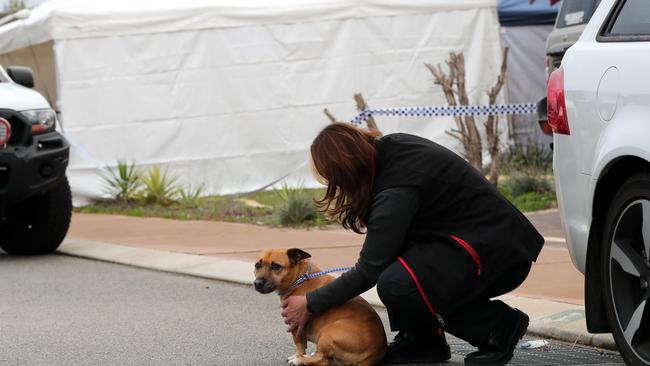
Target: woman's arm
391,214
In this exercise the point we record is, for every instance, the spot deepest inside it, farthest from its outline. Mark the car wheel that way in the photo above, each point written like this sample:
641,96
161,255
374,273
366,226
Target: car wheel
38,225
626,269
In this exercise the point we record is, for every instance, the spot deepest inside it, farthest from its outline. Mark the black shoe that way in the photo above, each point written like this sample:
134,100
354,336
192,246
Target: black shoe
501,343
417,347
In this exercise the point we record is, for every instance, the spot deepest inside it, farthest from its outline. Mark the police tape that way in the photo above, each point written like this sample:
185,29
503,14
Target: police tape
461,110
503,109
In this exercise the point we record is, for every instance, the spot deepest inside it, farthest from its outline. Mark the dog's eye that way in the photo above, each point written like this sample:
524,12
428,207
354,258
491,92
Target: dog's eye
258,265
275,267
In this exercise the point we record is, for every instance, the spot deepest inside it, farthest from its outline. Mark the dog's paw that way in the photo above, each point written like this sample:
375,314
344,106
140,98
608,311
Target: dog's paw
294,360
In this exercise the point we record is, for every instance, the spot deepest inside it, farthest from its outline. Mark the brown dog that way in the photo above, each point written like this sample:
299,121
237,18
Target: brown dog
351,334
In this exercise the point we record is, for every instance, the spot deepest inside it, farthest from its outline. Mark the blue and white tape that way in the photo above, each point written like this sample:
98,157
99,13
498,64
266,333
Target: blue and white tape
461,110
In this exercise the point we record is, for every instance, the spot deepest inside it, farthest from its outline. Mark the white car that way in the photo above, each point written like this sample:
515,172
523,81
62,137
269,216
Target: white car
599,109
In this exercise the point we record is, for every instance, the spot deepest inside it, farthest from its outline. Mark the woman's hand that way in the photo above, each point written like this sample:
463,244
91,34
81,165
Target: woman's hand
295,314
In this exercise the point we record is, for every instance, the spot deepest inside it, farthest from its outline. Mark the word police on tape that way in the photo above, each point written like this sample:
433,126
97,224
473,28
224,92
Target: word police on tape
463,110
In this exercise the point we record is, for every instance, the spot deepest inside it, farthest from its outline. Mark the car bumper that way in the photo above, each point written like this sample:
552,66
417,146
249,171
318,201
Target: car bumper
573,189
26,171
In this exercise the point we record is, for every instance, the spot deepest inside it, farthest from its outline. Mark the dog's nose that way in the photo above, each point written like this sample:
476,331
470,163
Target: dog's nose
259,284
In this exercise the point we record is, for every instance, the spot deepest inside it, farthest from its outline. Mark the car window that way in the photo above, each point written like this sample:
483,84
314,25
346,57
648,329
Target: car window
575,12
632,19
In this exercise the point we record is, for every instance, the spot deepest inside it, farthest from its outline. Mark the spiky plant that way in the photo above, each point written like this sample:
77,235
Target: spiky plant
122,183
296,208
189,196
159,186
285,192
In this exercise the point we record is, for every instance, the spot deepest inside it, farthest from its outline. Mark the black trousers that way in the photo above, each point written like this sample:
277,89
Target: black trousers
472,321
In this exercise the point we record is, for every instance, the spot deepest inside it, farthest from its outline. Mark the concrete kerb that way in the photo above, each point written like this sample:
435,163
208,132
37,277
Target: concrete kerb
181,263
549,319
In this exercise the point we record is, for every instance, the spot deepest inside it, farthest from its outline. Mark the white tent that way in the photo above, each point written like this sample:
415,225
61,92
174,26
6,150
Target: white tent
230,93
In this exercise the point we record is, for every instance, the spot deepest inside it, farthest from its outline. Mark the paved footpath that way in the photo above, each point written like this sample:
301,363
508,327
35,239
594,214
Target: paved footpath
552,295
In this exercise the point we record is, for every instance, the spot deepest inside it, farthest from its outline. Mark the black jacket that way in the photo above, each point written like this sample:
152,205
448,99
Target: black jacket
424,198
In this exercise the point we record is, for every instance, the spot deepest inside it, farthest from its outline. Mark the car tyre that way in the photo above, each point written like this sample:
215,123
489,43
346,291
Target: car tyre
39,225
626,269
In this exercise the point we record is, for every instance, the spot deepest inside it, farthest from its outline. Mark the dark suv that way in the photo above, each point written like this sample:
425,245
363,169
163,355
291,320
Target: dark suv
35,199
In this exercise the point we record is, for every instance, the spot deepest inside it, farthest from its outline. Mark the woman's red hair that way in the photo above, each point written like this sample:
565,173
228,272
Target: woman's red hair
344,156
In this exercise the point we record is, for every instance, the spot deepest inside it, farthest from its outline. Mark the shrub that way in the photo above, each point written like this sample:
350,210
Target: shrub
189,196
158,186
520,183
530,158
296,210
528,167
285,192
296,207
123,185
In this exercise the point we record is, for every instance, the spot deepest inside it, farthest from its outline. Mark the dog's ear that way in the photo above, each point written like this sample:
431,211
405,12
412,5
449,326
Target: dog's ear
296,255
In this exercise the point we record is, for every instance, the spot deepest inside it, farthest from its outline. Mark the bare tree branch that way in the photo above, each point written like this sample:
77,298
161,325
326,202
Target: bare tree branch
362,106
473,144
492,122
448,90
496,89
330,116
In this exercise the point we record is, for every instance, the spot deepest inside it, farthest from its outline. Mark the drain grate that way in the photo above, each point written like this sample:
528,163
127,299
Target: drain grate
554,354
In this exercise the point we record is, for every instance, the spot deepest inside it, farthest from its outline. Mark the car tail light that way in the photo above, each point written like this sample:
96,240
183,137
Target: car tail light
5,131
557,116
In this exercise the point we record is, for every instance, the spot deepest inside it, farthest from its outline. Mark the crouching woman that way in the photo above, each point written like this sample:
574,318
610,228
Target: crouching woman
441,243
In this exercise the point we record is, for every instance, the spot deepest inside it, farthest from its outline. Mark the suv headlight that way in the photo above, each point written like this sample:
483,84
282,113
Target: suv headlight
43,120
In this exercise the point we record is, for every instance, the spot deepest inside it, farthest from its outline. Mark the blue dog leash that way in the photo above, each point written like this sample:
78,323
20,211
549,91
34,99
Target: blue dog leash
308,275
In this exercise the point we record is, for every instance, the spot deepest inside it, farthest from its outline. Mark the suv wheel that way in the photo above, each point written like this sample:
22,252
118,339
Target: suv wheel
626,269
38,225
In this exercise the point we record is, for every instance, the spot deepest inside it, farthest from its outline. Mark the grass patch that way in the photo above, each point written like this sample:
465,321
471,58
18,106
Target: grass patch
211,208
530,201
235,209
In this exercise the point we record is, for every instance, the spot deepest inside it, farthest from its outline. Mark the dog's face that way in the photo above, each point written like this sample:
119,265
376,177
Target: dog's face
277,269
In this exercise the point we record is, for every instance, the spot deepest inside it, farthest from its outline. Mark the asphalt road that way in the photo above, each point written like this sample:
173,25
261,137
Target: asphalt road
58,310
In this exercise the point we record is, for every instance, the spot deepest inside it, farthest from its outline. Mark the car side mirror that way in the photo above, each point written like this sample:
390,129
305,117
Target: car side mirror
21,75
